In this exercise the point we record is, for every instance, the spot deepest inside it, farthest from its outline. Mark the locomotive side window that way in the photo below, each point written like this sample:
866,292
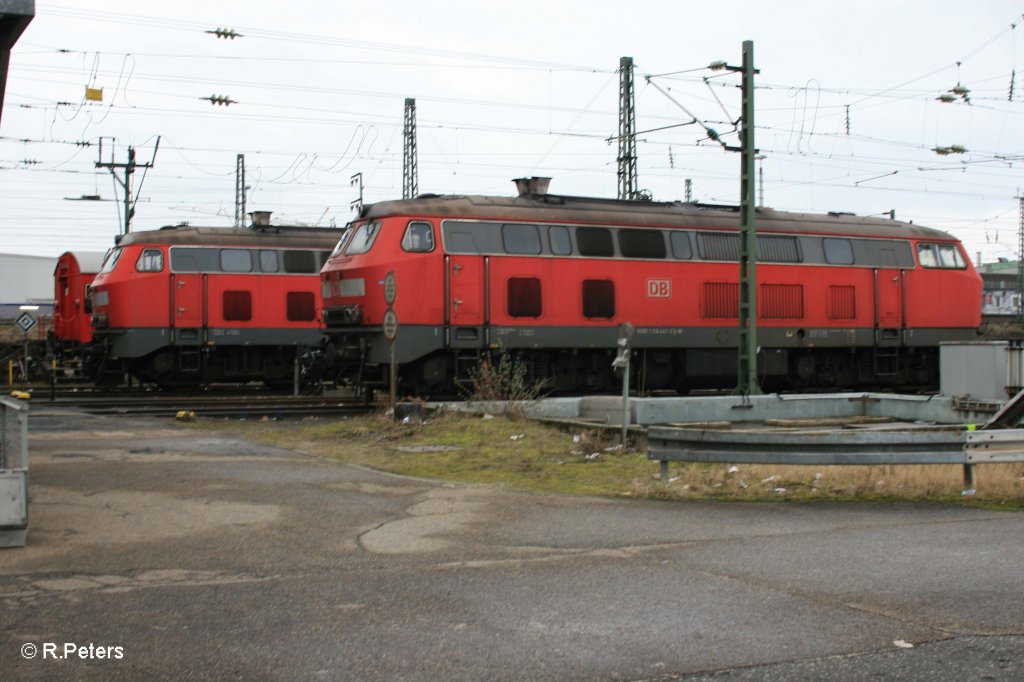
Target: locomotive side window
718,246
236,260
419,238
460,237
598,298
524,297
520,239
300,262
268,261
150,260
194,259
301,306
885,253
642,243
838,251
362,240
237,306
681,249
561,242
595,242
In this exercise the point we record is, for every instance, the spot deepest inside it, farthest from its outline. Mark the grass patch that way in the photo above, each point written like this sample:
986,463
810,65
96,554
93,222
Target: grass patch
525,455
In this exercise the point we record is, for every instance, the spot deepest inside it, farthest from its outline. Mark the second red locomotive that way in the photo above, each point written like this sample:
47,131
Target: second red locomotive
195,305
843,301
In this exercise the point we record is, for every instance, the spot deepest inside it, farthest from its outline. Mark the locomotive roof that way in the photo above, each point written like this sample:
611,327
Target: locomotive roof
557,208
274,235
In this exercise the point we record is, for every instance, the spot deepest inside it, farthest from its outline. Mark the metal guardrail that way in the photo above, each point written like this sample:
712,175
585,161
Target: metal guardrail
906,445
13,473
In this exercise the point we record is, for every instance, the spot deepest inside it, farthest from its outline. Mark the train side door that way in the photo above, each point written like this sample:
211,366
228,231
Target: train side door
889,304
466,291
188,310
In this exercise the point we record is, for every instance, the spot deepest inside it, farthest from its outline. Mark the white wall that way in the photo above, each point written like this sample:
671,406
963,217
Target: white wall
26,279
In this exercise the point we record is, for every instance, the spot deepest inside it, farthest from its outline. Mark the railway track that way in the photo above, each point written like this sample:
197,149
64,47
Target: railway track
219,403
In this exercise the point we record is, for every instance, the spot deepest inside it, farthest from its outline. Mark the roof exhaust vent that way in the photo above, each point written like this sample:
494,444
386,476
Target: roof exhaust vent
260,218
534,185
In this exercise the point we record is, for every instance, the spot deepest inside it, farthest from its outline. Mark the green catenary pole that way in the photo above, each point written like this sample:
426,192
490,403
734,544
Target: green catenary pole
747,373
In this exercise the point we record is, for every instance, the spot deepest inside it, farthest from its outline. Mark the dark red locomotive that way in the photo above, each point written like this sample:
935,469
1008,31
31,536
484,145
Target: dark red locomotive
843,301
193,305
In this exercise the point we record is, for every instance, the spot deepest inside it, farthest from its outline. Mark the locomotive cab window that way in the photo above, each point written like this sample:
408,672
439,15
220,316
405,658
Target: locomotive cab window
524,297
561,242
150,260
236,260
362,240
300,262
940,256
598,298
520,239
419,238
595,242
642,243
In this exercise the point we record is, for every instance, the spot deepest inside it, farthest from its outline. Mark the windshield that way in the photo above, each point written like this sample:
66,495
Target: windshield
362,239
110,260
346,232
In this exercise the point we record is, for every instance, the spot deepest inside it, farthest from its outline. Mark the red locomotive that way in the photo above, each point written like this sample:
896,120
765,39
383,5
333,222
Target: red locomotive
194,305
843,301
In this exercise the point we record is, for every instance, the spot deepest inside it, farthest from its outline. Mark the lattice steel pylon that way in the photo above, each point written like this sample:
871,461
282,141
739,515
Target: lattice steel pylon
240,190
627,131
1020,259
410,169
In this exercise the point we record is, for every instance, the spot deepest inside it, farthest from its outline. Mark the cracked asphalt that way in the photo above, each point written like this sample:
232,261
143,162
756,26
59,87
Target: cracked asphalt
197,556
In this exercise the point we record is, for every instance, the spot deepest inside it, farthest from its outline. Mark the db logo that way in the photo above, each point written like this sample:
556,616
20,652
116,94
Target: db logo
659,288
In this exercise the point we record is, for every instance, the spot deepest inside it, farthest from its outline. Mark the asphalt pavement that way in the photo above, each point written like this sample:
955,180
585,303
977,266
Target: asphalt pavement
161,552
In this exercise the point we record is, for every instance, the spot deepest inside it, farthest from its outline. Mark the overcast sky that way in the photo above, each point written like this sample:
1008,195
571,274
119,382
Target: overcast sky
847,112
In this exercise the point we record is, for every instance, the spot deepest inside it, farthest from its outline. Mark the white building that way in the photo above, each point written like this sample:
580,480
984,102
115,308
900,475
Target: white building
25,280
